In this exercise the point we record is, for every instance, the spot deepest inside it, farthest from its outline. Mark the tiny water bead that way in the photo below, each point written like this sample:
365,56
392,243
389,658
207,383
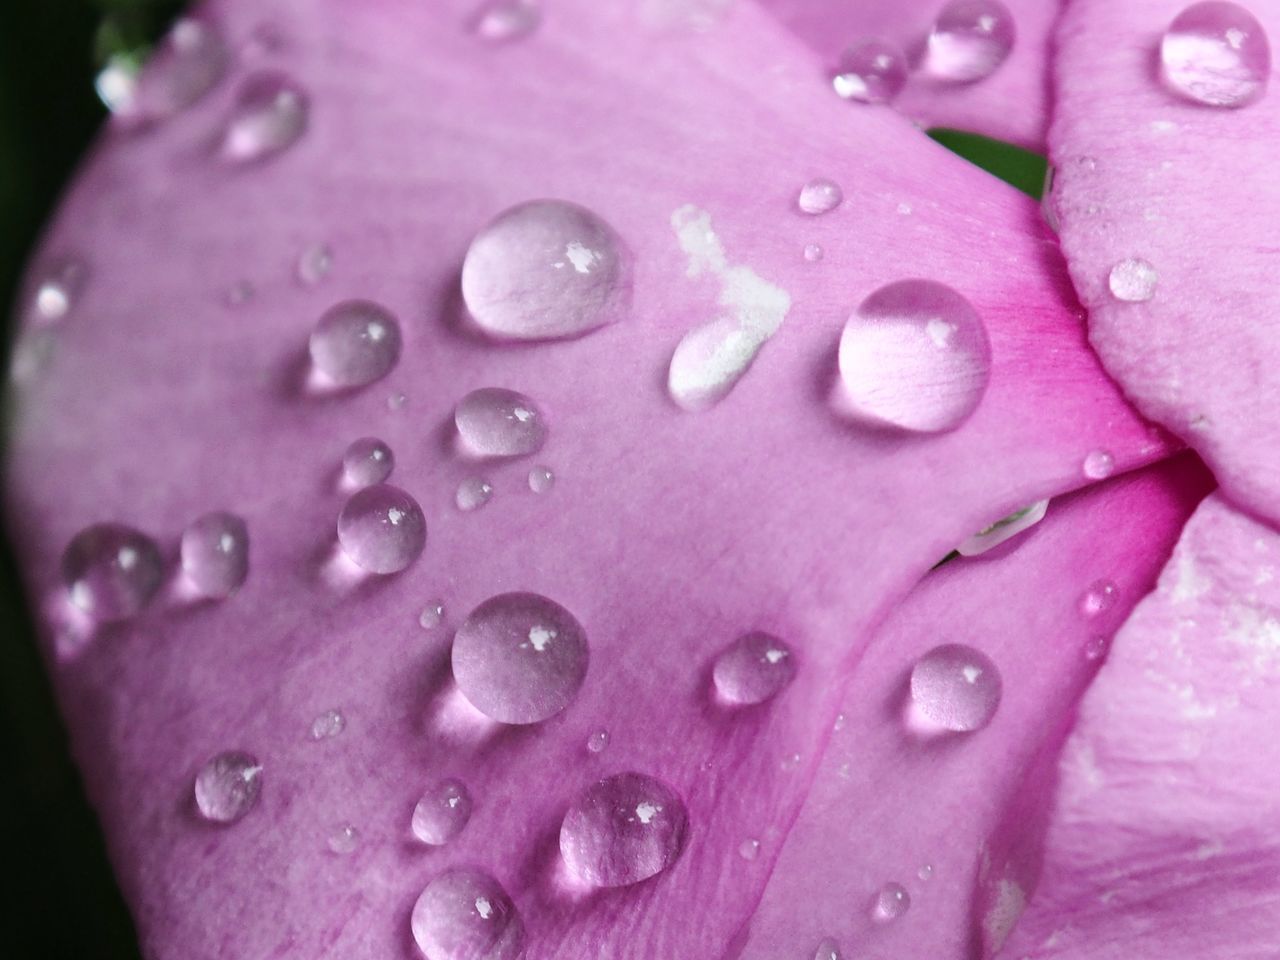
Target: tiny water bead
969,41
1002,530
1095,648
442,812
215,553
753,669
925,872
749,849
227,787
956,687
111,571
546,269
914,357
520,658
828,949
269,116
890,902
465,914
186,65
355,343
56,293
1099,464
344,839
472,494
871,72
328,725
117,84
496,422
1216,54
382,529
1133,280
597,742
432,615
819,196
1100,597
314,264
367,461
623,829
541,479
505,20
813,252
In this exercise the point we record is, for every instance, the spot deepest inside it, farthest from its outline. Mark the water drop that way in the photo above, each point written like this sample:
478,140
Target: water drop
345,839
813,252
270,115
239,293
215,553
1133,280
925,872
432,615
381,529
1099,464
442,812
749,849
546,269
969,41
520,658
541,479
753,669
891,902
1100,597
314,264
819,196
914,357
1216,54
117,84
1004,529
396,402
598,741
871,72
1095,648
227,787
55,294
186,65
504,20
111,571
367,461
473,493
623,829
495,422
956,687
355,343
827,950
464,914
328,724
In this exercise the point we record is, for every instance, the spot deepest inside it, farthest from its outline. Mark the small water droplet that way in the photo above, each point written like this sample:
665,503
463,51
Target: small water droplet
314,264
187,64
969,41
382,529
840,722
1216,54
328,724
239,293
432,615
1096,647
623,829
1133,280
215,553
520,658
813,252
1100,597
819,196
1004,529
749,849
464,914
827,950
871,72
355,343
956,687
396,402
546,269
344,839
505,20
891,902
367,461
495,422
753,669
473,493
914,357
598,741
111,571
227,787
442,812
56,292
541,479
117,84
270,115
925,872
1099,464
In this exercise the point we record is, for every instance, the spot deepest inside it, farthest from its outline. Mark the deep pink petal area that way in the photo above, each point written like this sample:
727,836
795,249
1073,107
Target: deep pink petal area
666,535
1012,104
952,817
1143,173
1164,837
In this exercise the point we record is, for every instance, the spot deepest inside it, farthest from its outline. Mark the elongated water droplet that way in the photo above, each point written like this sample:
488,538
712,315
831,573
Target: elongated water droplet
495,422
355,343
215,553
1099,464
186,65
57,290
314,264
1133,280
623,829
1216,54
472,494
1002,530
914,357
505,20
344,839
520,658
969,41
956,687
819,196
328,725
367,461
111,571
1100,597
541,479
432,615
442,812
464,914
753,669
227,787
270,115
891,902
381,529
546,269
827,950
871,72
597,742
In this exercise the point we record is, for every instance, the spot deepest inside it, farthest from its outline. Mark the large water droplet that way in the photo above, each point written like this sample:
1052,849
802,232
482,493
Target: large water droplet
546,269
969,41
442,812
270,115
1099,464
186,65
623,829
111,571
1133,280
355,343
871,72
1216,54
381,529
215,553
504,20
819,196
520,658
227,787
464,914
891,902
472,494
956,687
914,356
753,669
991,537
494,422
56,292
367,461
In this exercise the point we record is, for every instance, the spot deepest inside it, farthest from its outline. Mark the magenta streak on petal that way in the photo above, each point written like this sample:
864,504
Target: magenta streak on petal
1164,839
668,534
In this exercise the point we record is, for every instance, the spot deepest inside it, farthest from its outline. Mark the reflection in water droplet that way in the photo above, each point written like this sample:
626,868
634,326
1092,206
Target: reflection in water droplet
355,343
442,812
344,839
382,529
541,479
227,787
111,571
495,422
598,741
186,65
431,616
891,902
1099,598
215,553
749,849
56,292
314,264
1133,281
503,20
827,950
473,493
623,829
520,658
367,461
464,914
871,72
1099,464
1216,54
969,41
270,115
546,269
1002,530
328,724
956,687
753,669
819,196
915,357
